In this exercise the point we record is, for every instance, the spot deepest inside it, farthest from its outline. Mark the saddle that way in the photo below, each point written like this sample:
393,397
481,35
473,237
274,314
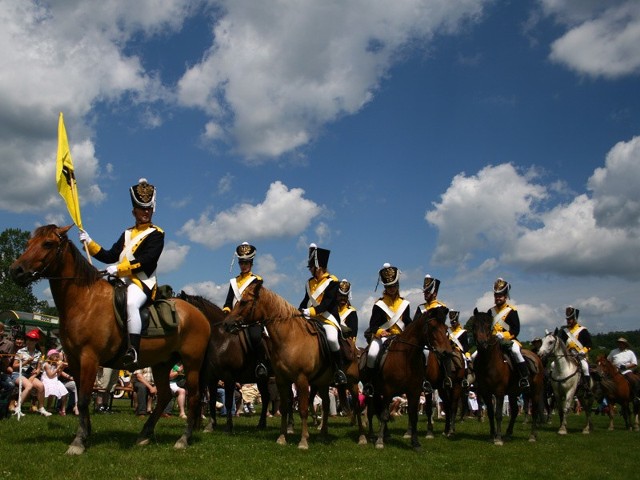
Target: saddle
314,327
159,318
529,358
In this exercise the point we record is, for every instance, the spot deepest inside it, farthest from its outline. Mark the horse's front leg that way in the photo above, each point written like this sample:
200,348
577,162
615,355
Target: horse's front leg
513,414
303,406
323,392
229,400
161,379
263,388
286,410
85,389
413,404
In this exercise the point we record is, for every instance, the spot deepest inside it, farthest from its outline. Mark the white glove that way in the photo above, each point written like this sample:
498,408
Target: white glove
306,313
112,270
84,237
500,335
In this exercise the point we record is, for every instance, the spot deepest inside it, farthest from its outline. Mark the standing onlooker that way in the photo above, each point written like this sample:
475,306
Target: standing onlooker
145,389
53,387
176,384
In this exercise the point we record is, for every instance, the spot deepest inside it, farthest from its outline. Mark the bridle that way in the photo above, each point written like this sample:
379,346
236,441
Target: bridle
553,355
41,274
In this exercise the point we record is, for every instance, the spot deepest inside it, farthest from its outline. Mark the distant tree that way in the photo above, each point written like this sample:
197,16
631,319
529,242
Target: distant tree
12,296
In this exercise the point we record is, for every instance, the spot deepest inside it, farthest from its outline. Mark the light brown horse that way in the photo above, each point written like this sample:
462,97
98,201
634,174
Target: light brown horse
612,385
495,378
91,337
296,355
403,371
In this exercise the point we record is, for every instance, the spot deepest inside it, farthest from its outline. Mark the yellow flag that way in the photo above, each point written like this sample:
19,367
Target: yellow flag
65,175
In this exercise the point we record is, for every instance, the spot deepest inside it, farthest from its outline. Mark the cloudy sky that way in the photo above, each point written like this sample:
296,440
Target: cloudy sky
468,140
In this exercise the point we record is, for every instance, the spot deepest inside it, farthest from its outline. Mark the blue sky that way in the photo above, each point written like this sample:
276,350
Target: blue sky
468,140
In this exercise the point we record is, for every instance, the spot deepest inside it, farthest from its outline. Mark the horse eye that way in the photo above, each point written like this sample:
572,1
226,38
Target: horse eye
49,244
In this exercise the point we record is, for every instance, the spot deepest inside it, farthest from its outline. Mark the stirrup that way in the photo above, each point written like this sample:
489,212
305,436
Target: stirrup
339,378
426,387
261,371
367,390
465,383
448,383
130,359
524,382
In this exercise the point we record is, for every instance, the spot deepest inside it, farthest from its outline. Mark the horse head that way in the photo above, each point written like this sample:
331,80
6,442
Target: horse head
41,255
481,328
246,310
436,331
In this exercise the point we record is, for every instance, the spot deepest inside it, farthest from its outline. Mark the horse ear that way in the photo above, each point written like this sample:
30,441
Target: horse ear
475,311
64,230
555,332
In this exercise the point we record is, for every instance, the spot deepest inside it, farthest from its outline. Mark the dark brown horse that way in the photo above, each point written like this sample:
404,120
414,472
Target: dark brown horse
496,378
612,385
91,336
296,354
229,359
445,374
403,371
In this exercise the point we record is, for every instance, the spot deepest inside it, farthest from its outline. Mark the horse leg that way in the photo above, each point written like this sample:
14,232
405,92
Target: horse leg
384,419
495,417
429,411
229,400
192,375
286,409
324,425
356,411
413,403
263,388
587,403
302,388
564,404
212,387
513,414
87,375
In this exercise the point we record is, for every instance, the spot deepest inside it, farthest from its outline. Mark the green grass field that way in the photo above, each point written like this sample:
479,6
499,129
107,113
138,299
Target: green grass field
33,448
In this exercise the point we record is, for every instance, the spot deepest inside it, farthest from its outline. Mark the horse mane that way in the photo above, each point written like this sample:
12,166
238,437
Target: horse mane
278,306
203,304
84,273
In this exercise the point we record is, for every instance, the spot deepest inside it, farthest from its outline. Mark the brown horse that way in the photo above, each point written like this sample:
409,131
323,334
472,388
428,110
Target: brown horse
296,355
496,378
446,375
403,371
612,385
91,336
228,359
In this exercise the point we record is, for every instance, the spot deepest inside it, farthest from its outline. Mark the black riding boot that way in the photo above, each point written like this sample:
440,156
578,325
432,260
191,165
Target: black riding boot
339,378
366,377
130,359
524,375
585,382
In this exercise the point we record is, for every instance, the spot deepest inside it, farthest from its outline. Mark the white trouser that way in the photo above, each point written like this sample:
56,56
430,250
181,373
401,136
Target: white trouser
515,349
585,366
374,349
332,336
136,298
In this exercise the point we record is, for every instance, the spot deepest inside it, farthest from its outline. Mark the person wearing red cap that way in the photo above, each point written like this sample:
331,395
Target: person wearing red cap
134,260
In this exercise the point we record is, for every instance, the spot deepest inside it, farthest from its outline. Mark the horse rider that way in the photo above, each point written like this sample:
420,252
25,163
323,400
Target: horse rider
134,259
625,360
578,341
245,253
506,326
390,315
321,302
347,313
430,287
459,339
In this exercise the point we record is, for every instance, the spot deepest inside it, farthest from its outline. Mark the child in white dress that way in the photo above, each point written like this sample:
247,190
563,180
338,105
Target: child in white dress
52,384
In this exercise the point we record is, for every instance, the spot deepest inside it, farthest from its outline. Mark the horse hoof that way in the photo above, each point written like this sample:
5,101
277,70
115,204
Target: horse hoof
142,442
562,432
532,439
498,443
181,444
429,436
362,440
586,431
75,450
208,429
303,446
290,430
407,434
379,445
417,448
281,440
